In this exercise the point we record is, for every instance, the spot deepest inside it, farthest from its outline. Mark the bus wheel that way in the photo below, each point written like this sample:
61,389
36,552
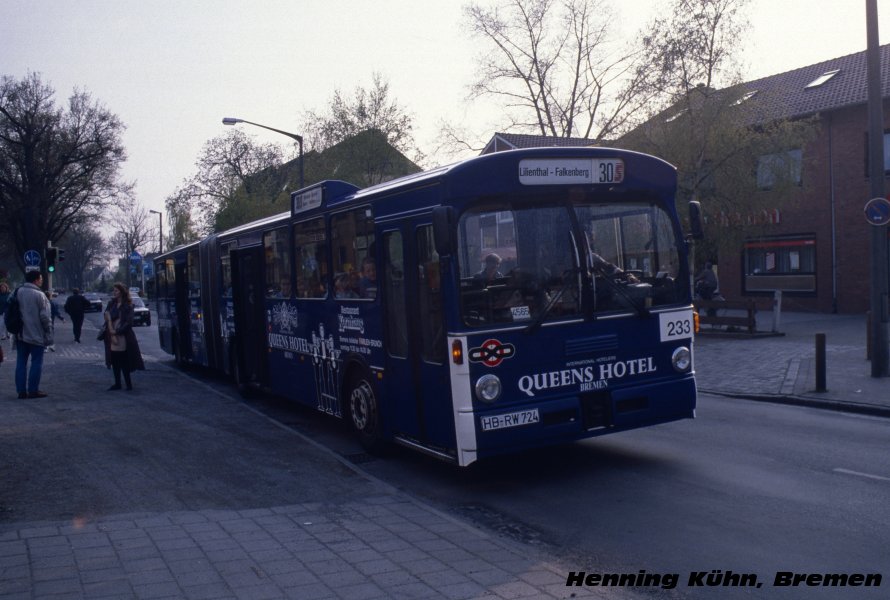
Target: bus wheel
364,412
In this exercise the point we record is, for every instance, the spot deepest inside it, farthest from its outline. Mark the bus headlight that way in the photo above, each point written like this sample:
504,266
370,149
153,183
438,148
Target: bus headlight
681,359
488,388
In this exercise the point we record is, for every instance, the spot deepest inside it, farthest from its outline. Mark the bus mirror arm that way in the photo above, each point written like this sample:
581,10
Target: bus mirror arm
443,225
696,231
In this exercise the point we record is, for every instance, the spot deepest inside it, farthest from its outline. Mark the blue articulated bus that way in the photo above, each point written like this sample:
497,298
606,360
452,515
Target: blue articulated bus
509,301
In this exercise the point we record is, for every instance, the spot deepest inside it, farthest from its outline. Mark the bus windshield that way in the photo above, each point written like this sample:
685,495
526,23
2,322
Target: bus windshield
528,263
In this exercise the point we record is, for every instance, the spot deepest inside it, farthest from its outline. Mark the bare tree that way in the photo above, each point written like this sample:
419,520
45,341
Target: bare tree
84,250
134,229
713,135
556,68
231,168
56,165
181,226
695,47
367,110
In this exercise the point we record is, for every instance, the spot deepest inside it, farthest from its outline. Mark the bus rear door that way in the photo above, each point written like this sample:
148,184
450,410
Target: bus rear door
250,325
182,340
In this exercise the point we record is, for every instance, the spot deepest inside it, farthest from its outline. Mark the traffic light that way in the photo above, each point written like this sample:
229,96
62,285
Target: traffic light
60,254
51,256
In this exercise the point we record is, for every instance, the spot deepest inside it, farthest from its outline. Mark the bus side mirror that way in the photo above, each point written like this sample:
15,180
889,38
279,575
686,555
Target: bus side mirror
695,222
443,220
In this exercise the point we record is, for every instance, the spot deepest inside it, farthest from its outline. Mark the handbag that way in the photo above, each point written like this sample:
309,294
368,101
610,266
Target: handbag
102,332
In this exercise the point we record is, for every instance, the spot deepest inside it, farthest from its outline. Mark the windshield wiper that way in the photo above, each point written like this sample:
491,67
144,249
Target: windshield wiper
553,300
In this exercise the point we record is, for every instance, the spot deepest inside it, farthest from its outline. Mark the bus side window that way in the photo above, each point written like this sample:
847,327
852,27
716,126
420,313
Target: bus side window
394,290
311,259
352,246
277,263
194,274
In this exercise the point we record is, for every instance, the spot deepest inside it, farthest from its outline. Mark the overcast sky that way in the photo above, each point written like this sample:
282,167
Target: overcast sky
172,69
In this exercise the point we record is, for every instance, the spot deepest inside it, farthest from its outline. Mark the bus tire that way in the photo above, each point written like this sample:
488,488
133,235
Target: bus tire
364,411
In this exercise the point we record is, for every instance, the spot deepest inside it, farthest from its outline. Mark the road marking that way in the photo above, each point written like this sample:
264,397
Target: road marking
868,475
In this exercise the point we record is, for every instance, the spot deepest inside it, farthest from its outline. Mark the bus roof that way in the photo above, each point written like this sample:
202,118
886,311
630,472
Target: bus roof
476,174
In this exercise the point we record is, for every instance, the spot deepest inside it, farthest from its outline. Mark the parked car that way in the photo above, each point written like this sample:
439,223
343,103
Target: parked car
95,302
134,292
141,314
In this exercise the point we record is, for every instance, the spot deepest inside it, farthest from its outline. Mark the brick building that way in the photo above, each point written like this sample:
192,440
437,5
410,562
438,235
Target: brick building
818,252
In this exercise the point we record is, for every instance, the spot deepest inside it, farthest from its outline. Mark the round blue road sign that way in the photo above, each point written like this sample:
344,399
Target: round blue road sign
32,258
877,211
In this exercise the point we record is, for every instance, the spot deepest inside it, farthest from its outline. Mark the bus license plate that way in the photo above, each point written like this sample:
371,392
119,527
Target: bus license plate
514,419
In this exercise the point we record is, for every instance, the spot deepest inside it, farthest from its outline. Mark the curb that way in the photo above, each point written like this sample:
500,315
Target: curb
793,400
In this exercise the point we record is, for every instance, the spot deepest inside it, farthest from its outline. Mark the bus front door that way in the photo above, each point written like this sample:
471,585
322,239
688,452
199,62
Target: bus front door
250,328
419,384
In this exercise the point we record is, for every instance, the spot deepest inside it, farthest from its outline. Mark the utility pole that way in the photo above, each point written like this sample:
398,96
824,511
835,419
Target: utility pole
880,265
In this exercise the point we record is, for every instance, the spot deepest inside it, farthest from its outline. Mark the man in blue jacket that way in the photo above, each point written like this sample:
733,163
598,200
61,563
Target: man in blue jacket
37,334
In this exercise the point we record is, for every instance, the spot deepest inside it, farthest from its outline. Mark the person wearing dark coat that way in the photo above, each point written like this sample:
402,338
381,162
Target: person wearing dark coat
122,353
76,306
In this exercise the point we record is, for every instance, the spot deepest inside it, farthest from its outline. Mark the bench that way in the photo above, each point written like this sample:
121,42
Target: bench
748,321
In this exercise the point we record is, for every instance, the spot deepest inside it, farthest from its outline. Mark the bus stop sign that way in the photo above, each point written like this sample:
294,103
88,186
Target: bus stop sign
877,211
135,257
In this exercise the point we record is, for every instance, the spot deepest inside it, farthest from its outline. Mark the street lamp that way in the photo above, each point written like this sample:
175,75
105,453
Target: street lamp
160,229
293,136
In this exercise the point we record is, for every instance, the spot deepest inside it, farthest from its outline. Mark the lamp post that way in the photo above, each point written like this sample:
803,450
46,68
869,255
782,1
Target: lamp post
293,136
160,229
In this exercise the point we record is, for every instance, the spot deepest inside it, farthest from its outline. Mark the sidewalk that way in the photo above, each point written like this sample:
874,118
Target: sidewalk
291,520
782,368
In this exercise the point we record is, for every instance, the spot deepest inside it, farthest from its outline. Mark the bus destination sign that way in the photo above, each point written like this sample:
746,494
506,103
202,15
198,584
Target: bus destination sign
306,200
562,171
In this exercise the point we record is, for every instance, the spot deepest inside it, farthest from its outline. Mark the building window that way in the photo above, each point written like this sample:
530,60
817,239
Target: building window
779,167
745,96
787,264
821,79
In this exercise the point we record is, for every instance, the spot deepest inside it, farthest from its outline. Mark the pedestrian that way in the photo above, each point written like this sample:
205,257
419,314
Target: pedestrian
54,308
36,335
56,314
706,282
122,353
5,295
76,306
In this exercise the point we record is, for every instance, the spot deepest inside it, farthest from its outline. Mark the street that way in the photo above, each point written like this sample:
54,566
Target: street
748,487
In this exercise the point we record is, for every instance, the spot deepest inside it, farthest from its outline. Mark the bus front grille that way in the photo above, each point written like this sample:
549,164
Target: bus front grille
596,410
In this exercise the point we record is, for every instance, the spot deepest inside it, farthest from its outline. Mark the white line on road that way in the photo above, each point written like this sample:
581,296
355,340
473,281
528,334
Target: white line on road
868,475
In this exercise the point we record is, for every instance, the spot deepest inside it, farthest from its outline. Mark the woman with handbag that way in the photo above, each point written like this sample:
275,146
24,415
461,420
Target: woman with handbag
122,353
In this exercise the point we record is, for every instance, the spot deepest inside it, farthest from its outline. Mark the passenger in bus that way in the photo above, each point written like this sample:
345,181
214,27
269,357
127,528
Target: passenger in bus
284,289
342,288
490,272
367,284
